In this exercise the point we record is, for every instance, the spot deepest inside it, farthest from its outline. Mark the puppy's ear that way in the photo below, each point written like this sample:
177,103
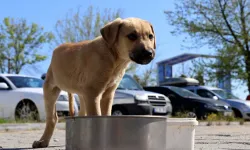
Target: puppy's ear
110,31
152,28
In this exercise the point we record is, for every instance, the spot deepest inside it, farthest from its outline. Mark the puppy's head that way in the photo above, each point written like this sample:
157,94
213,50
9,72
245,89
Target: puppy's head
131,38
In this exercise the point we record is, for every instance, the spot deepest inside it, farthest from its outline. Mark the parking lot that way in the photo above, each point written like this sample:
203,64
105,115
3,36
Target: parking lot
233,137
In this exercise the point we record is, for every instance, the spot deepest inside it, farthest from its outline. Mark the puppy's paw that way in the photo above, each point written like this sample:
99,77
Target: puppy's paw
40,144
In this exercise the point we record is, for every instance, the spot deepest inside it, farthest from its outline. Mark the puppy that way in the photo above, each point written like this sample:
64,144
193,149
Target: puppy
93,69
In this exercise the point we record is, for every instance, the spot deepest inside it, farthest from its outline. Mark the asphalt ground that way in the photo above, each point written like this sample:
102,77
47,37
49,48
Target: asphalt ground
223,137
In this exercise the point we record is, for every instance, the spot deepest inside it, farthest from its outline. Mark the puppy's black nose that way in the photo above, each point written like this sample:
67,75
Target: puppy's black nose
147,53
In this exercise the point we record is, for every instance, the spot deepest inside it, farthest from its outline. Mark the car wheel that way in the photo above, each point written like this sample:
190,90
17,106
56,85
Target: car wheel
118,111
191,115
201,115
26,110
237,113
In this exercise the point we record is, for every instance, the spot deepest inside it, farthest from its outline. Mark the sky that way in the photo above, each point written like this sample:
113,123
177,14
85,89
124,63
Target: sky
46,13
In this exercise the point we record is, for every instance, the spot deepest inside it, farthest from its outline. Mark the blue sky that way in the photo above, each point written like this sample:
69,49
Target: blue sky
46,13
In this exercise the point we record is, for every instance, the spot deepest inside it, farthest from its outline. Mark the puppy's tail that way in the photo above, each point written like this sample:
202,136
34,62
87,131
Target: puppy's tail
71,104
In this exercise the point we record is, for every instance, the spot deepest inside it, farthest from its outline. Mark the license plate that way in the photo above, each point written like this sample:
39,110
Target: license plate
160,109
227,113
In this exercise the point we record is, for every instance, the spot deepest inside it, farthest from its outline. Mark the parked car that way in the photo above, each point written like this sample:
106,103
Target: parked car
241,108
132,99
185,101
21,97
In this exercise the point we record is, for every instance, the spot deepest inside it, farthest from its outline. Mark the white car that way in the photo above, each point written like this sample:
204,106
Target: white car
21,97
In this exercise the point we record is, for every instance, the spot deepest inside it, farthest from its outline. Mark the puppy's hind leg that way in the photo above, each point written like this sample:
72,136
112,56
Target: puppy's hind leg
50,96
83,111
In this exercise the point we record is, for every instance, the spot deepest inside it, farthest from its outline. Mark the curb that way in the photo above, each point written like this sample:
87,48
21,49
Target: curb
61,126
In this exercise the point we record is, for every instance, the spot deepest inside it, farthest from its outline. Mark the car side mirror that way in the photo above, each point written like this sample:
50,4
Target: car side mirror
215,98
3,86
43,76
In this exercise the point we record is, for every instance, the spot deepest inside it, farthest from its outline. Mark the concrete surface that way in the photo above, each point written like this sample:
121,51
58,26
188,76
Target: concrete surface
206,138
222,138
27,126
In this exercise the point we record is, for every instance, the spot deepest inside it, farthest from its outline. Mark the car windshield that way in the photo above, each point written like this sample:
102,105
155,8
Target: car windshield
224,94
183,92
26,82
128,83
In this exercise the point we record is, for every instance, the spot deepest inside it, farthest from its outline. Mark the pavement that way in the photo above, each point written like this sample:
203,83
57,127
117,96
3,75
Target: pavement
215,137
27,126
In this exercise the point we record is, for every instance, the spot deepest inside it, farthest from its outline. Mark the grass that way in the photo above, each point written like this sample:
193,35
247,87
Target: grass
2,121
5,121
180,115
218,118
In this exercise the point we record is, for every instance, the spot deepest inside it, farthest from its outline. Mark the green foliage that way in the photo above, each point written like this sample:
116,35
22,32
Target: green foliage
210,22
183,76
226,62
221,24
19,44
200,77
77,26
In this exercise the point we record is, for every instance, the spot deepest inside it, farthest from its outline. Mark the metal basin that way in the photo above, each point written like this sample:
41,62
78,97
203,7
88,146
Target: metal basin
116,133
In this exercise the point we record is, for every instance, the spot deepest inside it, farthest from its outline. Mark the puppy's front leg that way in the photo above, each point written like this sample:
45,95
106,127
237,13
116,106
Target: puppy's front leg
107,100
92,103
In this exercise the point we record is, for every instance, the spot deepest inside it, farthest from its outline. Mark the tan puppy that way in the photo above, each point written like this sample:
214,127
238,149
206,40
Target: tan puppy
93,69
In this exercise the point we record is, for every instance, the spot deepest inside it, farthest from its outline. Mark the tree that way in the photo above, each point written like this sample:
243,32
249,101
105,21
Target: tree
216,23
19,44
198,72
77,26
225,64
148,76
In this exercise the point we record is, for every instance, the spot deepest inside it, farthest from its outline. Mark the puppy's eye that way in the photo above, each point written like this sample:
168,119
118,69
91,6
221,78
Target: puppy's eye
132,36
150,36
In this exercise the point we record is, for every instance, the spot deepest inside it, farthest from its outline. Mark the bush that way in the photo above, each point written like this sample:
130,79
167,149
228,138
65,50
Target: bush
184,114
212,117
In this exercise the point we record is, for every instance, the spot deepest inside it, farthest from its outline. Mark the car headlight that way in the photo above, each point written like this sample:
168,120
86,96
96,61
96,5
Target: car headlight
141,97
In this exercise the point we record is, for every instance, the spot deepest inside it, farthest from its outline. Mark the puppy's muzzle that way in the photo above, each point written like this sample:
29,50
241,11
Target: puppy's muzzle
142,56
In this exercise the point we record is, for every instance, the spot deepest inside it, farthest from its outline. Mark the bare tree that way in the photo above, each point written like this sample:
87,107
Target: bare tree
78,26
148,76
